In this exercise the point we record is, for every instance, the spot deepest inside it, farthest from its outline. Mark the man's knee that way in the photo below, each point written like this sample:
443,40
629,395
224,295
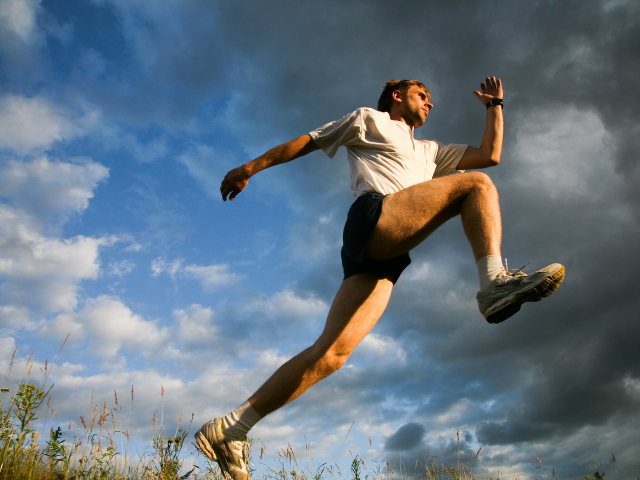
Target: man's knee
481,181
479,177
334,361
329,360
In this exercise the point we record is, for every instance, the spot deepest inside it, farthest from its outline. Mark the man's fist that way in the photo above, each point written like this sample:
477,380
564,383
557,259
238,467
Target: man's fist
234,182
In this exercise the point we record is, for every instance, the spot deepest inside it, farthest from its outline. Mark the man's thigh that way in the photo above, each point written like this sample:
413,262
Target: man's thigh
411,215
357,307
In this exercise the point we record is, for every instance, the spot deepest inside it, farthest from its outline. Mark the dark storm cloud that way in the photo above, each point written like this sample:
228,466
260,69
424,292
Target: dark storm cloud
407,437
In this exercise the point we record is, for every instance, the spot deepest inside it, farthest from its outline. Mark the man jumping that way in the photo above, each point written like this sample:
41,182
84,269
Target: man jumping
405,189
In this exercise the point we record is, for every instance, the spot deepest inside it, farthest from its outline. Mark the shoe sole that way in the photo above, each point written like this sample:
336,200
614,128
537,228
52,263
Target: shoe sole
533,294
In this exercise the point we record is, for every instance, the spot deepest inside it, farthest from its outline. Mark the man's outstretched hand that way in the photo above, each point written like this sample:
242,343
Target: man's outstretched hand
234,182
491,88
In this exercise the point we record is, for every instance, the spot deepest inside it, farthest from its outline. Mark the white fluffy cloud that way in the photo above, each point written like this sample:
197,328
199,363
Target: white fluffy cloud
28,124
286,305
13,316
195,326
52,268
42,273
46,188
210,276
382,348
109,325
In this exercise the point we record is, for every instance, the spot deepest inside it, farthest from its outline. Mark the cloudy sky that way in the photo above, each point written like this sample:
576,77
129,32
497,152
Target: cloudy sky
119,119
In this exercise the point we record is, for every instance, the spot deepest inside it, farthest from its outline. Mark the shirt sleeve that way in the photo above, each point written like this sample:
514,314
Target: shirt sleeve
447,159
333,135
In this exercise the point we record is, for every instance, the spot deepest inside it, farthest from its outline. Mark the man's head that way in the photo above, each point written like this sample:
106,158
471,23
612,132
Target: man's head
386,97
407,101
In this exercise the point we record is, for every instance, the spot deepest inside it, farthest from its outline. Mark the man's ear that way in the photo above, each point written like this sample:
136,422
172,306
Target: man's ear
396,95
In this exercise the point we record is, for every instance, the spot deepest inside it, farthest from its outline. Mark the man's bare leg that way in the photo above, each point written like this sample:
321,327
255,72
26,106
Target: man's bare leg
356,309
358,305
411,215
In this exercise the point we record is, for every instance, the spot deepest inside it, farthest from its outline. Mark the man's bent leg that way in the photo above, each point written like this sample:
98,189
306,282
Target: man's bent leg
411,215
356,309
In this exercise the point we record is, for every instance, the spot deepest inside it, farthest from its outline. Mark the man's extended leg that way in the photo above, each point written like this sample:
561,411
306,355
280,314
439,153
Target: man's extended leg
357,307
411,215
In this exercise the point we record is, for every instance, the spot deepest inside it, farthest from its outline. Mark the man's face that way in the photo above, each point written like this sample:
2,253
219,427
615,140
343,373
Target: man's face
415,106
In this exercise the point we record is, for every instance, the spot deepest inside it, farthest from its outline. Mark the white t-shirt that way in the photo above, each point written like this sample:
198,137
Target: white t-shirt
383,155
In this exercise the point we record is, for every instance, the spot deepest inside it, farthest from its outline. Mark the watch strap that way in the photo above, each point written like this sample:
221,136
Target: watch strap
494,101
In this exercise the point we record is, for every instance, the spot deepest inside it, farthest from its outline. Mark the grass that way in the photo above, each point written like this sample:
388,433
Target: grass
101,448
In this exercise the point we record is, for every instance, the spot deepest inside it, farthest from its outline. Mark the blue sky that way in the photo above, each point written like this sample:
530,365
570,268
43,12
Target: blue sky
119,119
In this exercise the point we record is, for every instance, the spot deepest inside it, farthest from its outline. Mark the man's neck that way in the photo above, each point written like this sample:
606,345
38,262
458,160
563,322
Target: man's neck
398,118
395,115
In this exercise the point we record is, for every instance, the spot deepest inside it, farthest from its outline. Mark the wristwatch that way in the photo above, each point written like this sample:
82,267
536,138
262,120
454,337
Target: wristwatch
494,101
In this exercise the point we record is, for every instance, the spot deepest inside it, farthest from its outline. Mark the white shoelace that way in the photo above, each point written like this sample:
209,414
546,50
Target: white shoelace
514,273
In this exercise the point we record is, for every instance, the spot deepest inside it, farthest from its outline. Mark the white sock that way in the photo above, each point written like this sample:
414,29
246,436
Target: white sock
489,268
237,424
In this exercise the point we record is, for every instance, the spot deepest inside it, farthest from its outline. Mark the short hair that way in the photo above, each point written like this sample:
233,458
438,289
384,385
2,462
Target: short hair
386,97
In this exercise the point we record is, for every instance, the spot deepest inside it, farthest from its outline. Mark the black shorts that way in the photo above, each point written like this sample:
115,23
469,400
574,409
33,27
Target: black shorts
361,221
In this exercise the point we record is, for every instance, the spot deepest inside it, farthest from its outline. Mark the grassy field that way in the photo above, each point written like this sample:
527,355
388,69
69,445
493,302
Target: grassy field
100,447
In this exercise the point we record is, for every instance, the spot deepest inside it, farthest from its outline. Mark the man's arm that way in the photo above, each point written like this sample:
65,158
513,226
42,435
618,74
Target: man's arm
236,180
488,155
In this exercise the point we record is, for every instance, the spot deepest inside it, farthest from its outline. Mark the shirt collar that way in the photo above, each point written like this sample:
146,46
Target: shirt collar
405,126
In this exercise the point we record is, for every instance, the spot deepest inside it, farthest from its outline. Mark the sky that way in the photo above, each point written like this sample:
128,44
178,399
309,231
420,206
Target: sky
118,121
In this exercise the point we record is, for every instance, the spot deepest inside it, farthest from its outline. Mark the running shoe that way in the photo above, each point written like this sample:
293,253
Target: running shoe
231,455
510,291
